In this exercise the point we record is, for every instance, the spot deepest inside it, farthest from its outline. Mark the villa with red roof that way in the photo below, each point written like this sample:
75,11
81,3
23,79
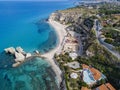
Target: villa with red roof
106,86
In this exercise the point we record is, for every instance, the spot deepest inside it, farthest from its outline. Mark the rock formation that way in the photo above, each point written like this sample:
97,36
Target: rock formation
28,55
20,50
19,54
65,17
19,57
16,64
37,52
10,50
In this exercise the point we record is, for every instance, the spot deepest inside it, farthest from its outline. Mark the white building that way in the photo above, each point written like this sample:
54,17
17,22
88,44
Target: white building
74,75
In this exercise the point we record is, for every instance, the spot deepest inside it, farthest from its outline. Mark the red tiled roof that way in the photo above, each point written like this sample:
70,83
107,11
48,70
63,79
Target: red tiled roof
106,86
110,86
84,88
103,87
84,66
96,73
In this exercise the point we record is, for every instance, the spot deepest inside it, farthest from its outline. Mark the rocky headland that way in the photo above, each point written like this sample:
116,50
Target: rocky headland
19,54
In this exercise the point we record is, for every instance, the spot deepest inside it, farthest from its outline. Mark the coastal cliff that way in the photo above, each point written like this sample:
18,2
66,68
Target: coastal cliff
75,20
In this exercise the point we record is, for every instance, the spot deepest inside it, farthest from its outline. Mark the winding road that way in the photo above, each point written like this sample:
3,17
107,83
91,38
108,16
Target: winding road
109,47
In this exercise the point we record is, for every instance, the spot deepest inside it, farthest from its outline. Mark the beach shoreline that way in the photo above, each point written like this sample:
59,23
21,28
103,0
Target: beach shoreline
48,56
61,33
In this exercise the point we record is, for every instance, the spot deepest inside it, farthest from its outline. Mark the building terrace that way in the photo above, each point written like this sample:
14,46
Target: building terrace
71,43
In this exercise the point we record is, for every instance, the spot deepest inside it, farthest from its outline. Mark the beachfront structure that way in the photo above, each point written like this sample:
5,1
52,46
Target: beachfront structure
71,44
91,75
106,86
73,55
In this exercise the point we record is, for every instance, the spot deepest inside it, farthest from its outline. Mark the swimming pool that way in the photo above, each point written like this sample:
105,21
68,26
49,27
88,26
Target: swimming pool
88,77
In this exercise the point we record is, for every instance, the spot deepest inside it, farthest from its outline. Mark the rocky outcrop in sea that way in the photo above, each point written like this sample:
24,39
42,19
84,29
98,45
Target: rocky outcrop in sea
19,55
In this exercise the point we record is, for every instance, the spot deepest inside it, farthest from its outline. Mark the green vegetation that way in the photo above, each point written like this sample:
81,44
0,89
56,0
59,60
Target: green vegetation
112,36
108,41
81,83
65,58
117,24
89,22
110,18
109,12
81,10
109,8
103,61
71,84
117,48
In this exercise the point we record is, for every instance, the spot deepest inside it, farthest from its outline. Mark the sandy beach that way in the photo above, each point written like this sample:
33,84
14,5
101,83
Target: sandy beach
61,32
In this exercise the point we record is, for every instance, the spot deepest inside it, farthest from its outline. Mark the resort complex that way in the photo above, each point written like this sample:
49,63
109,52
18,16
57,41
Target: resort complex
91,75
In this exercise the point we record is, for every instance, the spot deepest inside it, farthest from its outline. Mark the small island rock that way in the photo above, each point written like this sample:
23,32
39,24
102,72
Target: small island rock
28,55
10,50
19,57
37,52
16,64
20,50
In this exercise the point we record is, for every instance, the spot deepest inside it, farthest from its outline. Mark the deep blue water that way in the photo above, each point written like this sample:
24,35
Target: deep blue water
17,23
23,24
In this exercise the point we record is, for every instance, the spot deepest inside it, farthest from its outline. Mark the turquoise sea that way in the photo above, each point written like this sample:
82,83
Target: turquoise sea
24,24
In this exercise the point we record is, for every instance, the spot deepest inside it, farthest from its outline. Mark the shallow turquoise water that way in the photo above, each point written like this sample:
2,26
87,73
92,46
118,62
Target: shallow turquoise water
35,74
23,24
